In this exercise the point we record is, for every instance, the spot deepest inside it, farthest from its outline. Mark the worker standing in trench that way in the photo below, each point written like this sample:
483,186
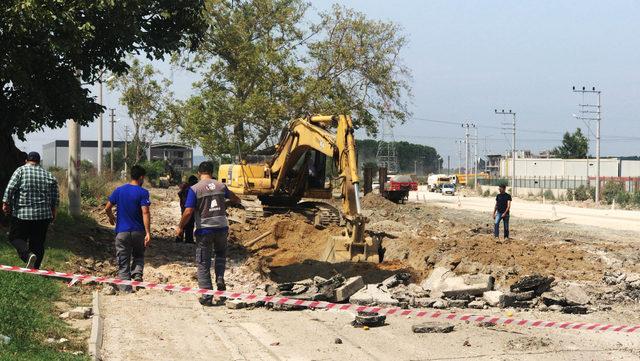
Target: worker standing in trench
501,212
206,203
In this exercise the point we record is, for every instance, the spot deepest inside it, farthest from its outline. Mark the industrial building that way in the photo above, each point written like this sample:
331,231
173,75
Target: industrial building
56,153
179,156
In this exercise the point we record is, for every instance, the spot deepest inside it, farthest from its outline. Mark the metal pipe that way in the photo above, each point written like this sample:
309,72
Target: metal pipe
356,191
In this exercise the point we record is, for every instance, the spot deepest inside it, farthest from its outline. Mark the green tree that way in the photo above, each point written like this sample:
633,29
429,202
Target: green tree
262,64
44,45
146,99
422,157
574,146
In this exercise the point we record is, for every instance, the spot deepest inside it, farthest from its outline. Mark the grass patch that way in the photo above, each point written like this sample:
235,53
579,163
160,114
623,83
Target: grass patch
27,311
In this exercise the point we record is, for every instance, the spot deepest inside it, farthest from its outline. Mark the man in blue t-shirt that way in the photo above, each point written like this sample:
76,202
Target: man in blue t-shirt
206,202
133,225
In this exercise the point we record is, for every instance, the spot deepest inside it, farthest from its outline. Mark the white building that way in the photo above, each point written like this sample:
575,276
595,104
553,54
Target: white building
56,153
569,168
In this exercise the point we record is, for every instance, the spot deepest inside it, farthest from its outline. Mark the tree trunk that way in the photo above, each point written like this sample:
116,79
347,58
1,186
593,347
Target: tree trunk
11,158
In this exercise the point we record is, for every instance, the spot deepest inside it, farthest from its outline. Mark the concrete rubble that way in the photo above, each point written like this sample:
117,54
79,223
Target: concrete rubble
432,327
368,319
443,289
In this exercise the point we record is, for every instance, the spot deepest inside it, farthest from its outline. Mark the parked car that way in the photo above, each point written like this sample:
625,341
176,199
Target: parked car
449,189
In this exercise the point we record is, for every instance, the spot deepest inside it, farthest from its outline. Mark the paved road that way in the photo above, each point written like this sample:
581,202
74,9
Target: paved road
155,326
605,218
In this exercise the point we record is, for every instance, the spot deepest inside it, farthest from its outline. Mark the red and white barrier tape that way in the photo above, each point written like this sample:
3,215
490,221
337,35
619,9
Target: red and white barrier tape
332,306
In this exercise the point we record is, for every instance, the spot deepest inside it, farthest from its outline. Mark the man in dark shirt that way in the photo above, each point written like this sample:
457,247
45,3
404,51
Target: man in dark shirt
133,225
187,235
501,212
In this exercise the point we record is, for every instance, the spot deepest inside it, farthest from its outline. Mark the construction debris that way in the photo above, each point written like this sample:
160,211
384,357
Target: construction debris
373,295
368,319
536,283
432,327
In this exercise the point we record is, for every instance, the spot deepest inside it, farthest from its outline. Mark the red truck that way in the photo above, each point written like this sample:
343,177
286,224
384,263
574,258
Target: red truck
397,187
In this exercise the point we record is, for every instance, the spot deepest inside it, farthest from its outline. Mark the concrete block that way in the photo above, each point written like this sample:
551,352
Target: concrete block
436,278
575,296
492,297
458,303
396,279
371,294
423,302
432,327
474,285
478,304
235,304
440,304
351,286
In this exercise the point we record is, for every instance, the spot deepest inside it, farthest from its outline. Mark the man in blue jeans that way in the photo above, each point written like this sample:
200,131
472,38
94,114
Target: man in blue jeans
501,212
133,225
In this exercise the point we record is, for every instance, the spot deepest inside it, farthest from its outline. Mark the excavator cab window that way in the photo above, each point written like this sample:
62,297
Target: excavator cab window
317,169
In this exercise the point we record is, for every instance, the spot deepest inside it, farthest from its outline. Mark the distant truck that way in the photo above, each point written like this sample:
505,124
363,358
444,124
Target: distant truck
397,187
435,181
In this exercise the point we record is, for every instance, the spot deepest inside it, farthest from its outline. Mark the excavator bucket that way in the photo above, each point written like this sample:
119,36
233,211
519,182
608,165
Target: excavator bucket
353,246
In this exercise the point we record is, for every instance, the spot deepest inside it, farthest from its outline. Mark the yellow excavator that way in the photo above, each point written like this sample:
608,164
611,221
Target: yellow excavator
298,170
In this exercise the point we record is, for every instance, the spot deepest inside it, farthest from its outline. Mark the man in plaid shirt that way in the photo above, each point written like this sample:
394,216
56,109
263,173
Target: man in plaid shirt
32,199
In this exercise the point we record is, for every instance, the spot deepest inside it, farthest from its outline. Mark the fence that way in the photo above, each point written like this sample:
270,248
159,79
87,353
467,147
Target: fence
631,184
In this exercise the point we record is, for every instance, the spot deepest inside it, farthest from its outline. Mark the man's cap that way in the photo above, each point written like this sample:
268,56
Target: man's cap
33,157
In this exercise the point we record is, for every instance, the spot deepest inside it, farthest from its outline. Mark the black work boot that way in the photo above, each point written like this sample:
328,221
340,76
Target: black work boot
220,285
206,300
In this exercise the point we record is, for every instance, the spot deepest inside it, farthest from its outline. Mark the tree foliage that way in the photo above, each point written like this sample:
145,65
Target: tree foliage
263,64
45,44
574,146
426,157
51,50
146,99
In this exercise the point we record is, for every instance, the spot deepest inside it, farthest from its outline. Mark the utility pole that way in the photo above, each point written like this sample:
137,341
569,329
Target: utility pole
475,160
587,114
126,151
513,146
100,121
449,164
415,167
113,121
466,126
459,142
74,167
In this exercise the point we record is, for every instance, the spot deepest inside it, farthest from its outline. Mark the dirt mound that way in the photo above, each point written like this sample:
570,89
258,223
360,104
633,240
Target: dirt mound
283,239
376,201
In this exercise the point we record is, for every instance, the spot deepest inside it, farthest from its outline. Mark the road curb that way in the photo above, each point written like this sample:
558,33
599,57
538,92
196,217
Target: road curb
95,339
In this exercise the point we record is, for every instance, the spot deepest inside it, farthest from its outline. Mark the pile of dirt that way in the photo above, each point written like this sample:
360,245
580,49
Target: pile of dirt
376,201
284,239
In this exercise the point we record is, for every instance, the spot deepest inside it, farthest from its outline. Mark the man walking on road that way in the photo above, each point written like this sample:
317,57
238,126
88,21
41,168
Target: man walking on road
133,225
501,212
31,198
206,202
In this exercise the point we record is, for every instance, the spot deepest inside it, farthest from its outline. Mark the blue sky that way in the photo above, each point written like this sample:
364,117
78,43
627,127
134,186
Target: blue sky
470,57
